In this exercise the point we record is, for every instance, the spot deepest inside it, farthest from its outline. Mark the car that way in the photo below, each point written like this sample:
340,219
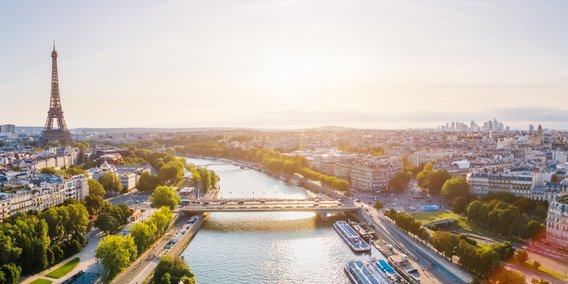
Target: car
357,200
241,202
205,203
374,198
340,200
263,201
137,201
339,204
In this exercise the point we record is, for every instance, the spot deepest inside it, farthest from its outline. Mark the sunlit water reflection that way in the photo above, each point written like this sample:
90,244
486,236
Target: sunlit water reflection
286,247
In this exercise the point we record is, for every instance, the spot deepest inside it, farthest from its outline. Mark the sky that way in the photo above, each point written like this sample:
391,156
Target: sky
286,63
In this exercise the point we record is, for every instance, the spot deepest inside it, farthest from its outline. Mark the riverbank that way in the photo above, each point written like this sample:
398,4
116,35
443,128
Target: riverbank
311,186
283,247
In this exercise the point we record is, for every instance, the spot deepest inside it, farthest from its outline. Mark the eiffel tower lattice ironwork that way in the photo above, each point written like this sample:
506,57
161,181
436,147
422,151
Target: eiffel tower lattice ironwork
51,133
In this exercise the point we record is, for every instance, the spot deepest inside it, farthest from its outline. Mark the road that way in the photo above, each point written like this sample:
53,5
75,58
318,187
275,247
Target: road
139,270
145,264
414,248
408,200
87,262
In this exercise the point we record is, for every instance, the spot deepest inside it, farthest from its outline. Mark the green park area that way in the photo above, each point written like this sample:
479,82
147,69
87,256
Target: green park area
427,217
41,281
64,269
461,222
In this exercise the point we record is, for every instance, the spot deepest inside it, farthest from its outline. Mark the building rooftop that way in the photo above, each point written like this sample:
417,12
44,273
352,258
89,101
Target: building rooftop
563,199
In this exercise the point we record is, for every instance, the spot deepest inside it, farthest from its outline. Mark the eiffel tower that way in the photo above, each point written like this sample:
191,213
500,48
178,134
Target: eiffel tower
51,134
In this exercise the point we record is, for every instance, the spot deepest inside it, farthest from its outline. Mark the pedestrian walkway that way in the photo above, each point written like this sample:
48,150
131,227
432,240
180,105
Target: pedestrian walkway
87,261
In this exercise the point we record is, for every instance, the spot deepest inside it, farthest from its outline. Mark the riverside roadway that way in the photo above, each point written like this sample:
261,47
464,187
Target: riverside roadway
144,265
401,240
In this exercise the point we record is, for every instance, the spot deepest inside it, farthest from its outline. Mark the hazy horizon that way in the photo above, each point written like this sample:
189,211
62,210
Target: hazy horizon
286,64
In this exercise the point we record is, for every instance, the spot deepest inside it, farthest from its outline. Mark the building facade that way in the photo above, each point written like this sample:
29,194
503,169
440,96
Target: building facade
518,183
557,222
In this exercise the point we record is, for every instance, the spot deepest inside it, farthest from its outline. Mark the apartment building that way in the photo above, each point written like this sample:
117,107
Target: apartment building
39,192
550,191
557,222
374,175
517,183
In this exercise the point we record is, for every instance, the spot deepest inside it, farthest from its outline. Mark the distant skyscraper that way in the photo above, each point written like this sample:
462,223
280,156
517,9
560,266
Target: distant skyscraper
531,128
51,133
7,128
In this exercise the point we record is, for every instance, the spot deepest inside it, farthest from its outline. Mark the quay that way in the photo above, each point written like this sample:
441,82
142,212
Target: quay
143,268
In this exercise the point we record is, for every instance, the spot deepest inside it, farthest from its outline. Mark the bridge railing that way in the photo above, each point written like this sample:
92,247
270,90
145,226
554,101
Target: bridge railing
255,199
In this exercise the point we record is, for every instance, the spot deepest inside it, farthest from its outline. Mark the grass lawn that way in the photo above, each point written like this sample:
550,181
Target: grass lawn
427,217
41,281
64,269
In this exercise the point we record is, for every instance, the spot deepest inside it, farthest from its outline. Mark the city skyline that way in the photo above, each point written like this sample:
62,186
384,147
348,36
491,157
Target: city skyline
288,64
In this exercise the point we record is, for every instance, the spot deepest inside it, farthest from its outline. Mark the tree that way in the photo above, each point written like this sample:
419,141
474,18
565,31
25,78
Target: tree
437,180
95,188
473,209
116,253
378,205
78,220
11,273
31,234
9,251
52,171
110,182
171,173
106,223
166,278
148,182
162,219
536,265
73,171
459,205
506,276
143,234
522,256
94,203
400,181
165,196
423,178
456,187
505,250
534,229
56,219
176,268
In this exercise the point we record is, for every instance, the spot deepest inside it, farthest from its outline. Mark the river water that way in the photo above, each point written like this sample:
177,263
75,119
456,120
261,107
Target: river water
276,247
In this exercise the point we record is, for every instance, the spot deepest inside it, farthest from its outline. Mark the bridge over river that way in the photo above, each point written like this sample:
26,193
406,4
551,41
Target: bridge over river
278,205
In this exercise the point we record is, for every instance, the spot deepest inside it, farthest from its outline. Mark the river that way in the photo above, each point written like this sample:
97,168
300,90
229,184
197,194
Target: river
279,247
